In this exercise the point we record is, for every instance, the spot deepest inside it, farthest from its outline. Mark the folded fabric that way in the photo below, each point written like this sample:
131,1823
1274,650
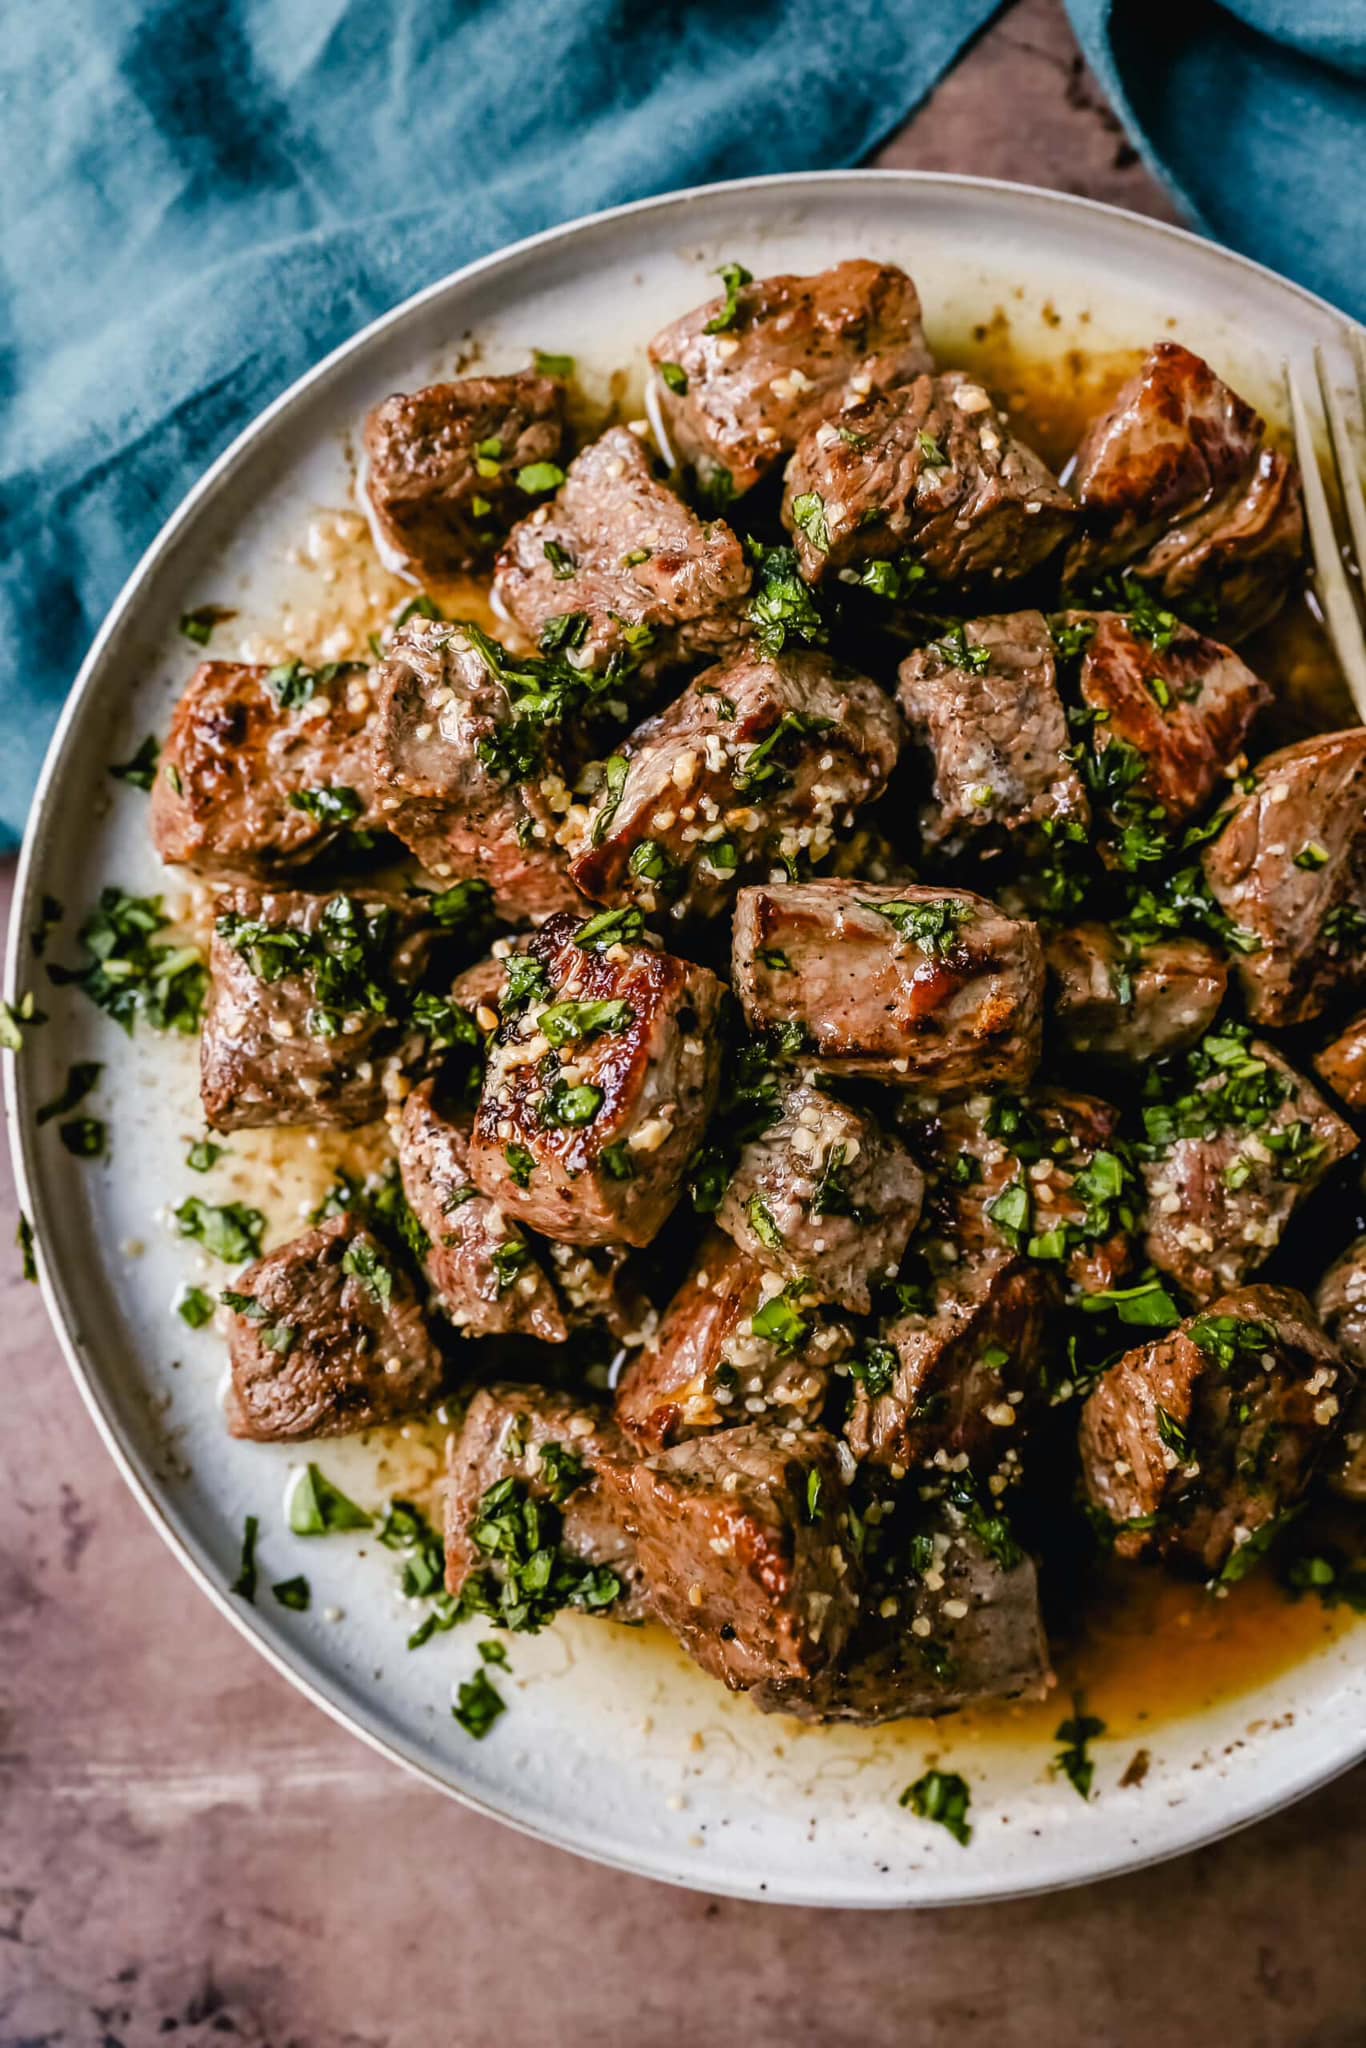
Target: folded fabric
1255,113
198,200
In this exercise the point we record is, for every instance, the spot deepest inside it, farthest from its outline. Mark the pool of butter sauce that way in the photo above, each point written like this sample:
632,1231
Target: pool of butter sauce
1149,1649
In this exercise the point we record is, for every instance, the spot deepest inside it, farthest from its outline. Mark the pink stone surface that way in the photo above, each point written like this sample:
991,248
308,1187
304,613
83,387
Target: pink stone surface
190,1853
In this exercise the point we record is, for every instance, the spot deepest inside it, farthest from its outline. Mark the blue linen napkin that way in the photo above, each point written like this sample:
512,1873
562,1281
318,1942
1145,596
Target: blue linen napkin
1254,113
198,200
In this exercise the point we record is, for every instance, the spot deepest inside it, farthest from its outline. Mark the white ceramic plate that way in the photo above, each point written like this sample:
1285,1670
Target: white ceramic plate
612,1745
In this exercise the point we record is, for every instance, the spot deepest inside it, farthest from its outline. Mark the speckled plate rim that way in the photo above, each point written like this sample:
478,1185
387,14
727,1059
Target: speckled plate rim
361,1718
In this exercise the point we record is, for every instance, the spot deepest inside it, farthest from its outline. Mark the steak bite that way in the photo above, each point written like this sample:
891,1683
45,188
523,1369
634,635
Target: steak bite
734,1344
458,773
1130,1004
1342,1064
930,471
264,769
921,988
1236,1141
597,1092
1178,707
528,1518
307,1018
959,1373
327,1336
1340,1300
1290,867
486,1275
763,759
952,1617
745,1542
443,464
1175,485
983,703
826,1197
644,582
1195,1444
744,377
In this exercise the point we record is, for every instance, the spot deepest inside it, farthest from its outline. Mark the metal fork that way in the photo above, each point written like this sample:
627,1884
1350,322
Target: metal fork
1339,580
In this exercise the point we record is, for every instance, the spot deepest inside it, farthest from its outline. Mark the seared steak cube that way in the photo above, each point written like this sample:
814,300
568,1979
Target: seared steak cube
930,471
442,464
307,1009
762,759
327,1337
742,378
1340,1300
958,1624
1342,1064
524,1448
1112,1002
1178,709
958,1375
734,1344
485,1273
264,769
458,775
1044,1174
1236,1141
1290,867
922,988
1196,1443
826,1197
644,583
1174,484
984,704
597,1092
746,1548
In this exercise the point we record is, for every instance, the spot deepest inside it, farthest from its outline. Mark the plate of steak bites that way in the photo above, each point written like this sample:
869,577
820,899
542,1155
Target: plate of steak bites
698,1132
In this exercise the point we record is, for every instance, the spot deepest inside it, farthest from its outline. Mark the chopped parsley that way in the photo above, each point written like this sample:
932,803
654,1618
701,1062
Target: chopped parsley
318,1508
931,453
780,1321
1074,1760
195,1307
575,1023
529,1577
244,1585
1172,1433
80,1079
561,630
548,365
762,1224
13,1020
617,1162
478,1704
615,770
808,516
23,1238
734,277
1312,855
508,1259
562,563
610,928
295,1593
128,975
198,625
364,1263
943,1797
959,652
876,1369
232,1233
526,982
674,377
536,478
141,771
760,765
1147,1305
1227,1339
782,608
932,927
203,1154
566,1108
338,806
521,1164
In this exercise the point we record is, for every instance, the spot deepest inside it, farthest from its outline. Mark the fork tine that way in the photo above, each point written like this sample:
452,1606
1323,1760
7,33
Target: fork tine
1344,452
1335,592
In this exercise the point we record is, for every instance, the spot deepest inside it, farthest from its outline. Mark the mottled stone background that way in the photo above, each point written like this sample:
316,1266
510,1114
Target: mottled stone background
192,1854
